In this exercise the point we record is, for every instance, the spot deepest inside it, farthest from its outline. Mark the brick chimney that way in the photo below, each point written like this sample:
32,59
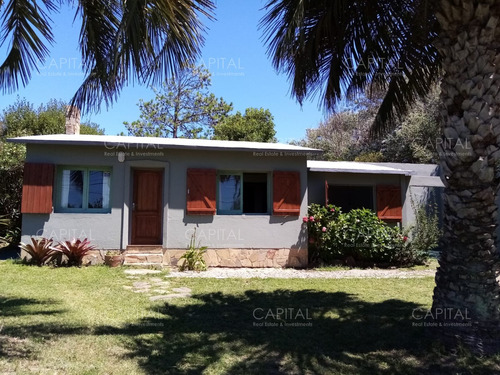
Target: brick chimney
72,120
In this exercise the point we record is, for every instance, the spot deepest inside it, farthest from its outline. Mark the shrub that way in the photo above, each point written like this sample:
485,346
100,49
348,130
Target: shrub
424,235
4,225
40,250
359,234
193,257
74,250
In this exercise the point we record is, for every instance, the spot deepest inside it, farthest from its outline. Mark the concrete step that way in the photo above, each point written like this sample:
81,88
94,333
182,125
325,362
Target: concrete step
143,258
144,249
158,266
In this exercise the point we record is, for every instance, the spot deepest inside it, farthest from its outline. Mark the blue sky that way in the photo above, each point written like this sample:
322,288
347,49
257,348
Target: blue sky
234,53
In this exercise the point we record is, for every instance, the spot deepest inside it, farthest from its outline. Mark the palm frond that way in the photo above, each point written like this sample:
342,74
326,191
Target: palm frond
26,25
137,40
340,47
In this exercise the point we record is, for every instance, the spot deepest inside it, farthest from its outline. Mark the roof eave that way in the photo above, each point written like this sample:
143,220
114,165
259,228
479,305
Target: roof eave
359,171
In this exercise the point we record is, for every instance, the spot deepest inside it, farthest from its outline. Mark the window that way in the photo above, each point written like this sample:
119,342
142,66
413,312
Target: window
232,193
351,197
84,189
245,193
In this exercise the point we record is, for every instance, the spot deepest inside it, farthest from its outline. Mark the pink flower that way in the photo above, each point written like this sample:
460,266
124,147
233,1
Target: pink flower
323,229
311,219
332,210
305,219
405,239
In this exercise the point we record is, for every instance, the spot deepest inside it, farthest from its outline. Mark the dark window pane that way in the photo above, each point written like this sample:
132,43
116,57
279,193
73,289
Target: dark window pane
72,189
351,197
99,189
255,193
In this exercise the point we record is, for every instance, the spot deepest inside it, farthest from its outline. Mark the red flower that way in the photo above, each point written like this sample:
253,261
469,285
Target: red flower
405,239
311,219
305,219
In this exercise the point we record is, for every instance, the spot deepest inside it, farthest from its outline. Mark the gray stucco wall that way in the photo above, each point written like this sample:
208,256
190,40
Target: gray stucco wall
111,231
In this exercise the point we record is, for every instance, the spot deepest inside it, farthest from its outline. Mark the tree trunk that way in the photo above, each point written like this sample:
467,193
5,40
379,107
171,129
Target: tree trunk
466,302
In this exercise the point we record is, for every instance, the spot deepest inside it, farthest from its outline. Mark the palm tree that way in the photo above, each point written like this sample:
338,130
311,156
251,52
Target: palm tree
120,41
337,47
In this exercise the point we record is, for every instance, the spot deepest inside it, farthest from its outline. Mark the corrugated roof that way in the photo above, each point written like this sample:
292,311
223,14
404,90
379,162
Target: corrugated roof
164,143
353,167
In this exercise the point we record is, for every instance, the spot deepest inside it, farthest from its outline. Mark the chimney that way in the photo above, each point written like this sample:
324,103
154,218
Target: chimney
72,120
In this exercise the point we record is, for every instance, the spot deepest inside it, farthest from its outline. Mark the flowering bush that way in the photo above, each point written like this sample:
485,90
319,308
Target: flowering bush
359,234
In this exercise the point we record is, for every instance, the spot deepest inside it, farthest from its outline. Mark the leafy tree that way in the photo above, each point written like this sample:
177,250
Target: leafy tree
119,41
22,119
256,125
336,47
416,138
338,136
183,107
345,134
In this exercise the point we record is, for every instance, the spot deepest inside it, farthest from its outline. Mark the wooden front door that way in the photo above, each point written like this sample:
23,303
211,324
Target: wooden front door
147,207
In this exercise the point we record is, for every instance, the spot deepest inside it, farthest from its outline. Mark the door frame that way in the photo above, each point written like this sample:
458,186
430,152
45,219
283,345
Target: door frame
128,180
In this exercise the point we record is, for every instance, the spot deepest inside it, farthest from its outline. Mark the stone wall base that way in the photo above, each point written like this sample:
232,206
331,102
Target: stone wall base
257,258
235,258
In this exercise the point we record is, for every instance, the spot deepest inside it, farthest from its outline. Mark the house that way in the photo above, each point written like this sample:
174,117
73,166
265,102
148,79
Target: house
243,200
148,196
385,188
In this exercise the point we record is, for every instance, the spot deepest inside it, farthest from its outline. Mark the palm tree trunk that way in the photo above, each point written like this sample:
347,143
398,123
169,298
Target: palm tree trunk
466,303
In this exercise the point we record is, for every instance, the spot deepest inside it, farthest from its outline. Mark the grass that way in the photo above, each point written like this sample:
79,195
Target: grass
83,321
430,264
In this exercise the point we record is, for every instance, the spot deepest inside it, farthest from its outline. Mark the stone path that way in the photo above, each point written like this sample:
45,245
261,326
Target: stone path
156,287
288,273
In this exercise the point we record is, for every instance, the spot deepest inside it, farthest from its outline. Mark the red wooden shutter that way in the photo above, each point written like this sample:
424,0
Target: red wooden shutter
37,188
286,193
201,184
389,202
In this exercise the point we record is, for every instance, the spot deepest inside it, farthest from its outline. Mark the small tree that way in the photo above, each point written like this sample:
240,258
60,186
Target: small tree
256,125
182,107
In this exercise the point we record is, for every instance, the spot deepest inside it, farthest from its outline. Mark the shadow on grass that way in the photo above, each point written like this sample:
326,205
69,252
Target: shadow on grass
218,333
240,334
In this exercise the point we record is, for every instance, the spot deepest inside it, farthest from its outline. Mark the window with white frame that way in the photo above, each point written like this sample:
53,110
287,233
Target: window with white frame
242,193
83,189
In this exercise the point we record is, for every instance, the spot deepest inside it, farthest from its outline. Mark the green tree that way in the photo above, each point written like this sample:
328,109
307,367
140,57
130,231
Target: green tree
119,41
183,107
417,136
332,48
345,134
22,119
340,136
256,125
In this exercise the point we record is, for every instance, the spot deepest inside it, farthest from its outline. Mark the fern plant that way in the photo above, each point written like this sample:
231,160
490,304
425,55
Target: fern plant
193,257
40,250
75,250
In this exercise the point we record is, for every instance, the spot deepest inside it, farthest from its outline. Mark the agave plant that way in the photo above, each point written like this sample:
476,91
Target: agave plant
75,250
40,250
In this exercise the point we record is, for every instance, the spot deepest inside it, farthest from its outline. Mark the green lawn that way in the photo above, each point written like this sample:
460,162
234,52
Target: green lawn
89,321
